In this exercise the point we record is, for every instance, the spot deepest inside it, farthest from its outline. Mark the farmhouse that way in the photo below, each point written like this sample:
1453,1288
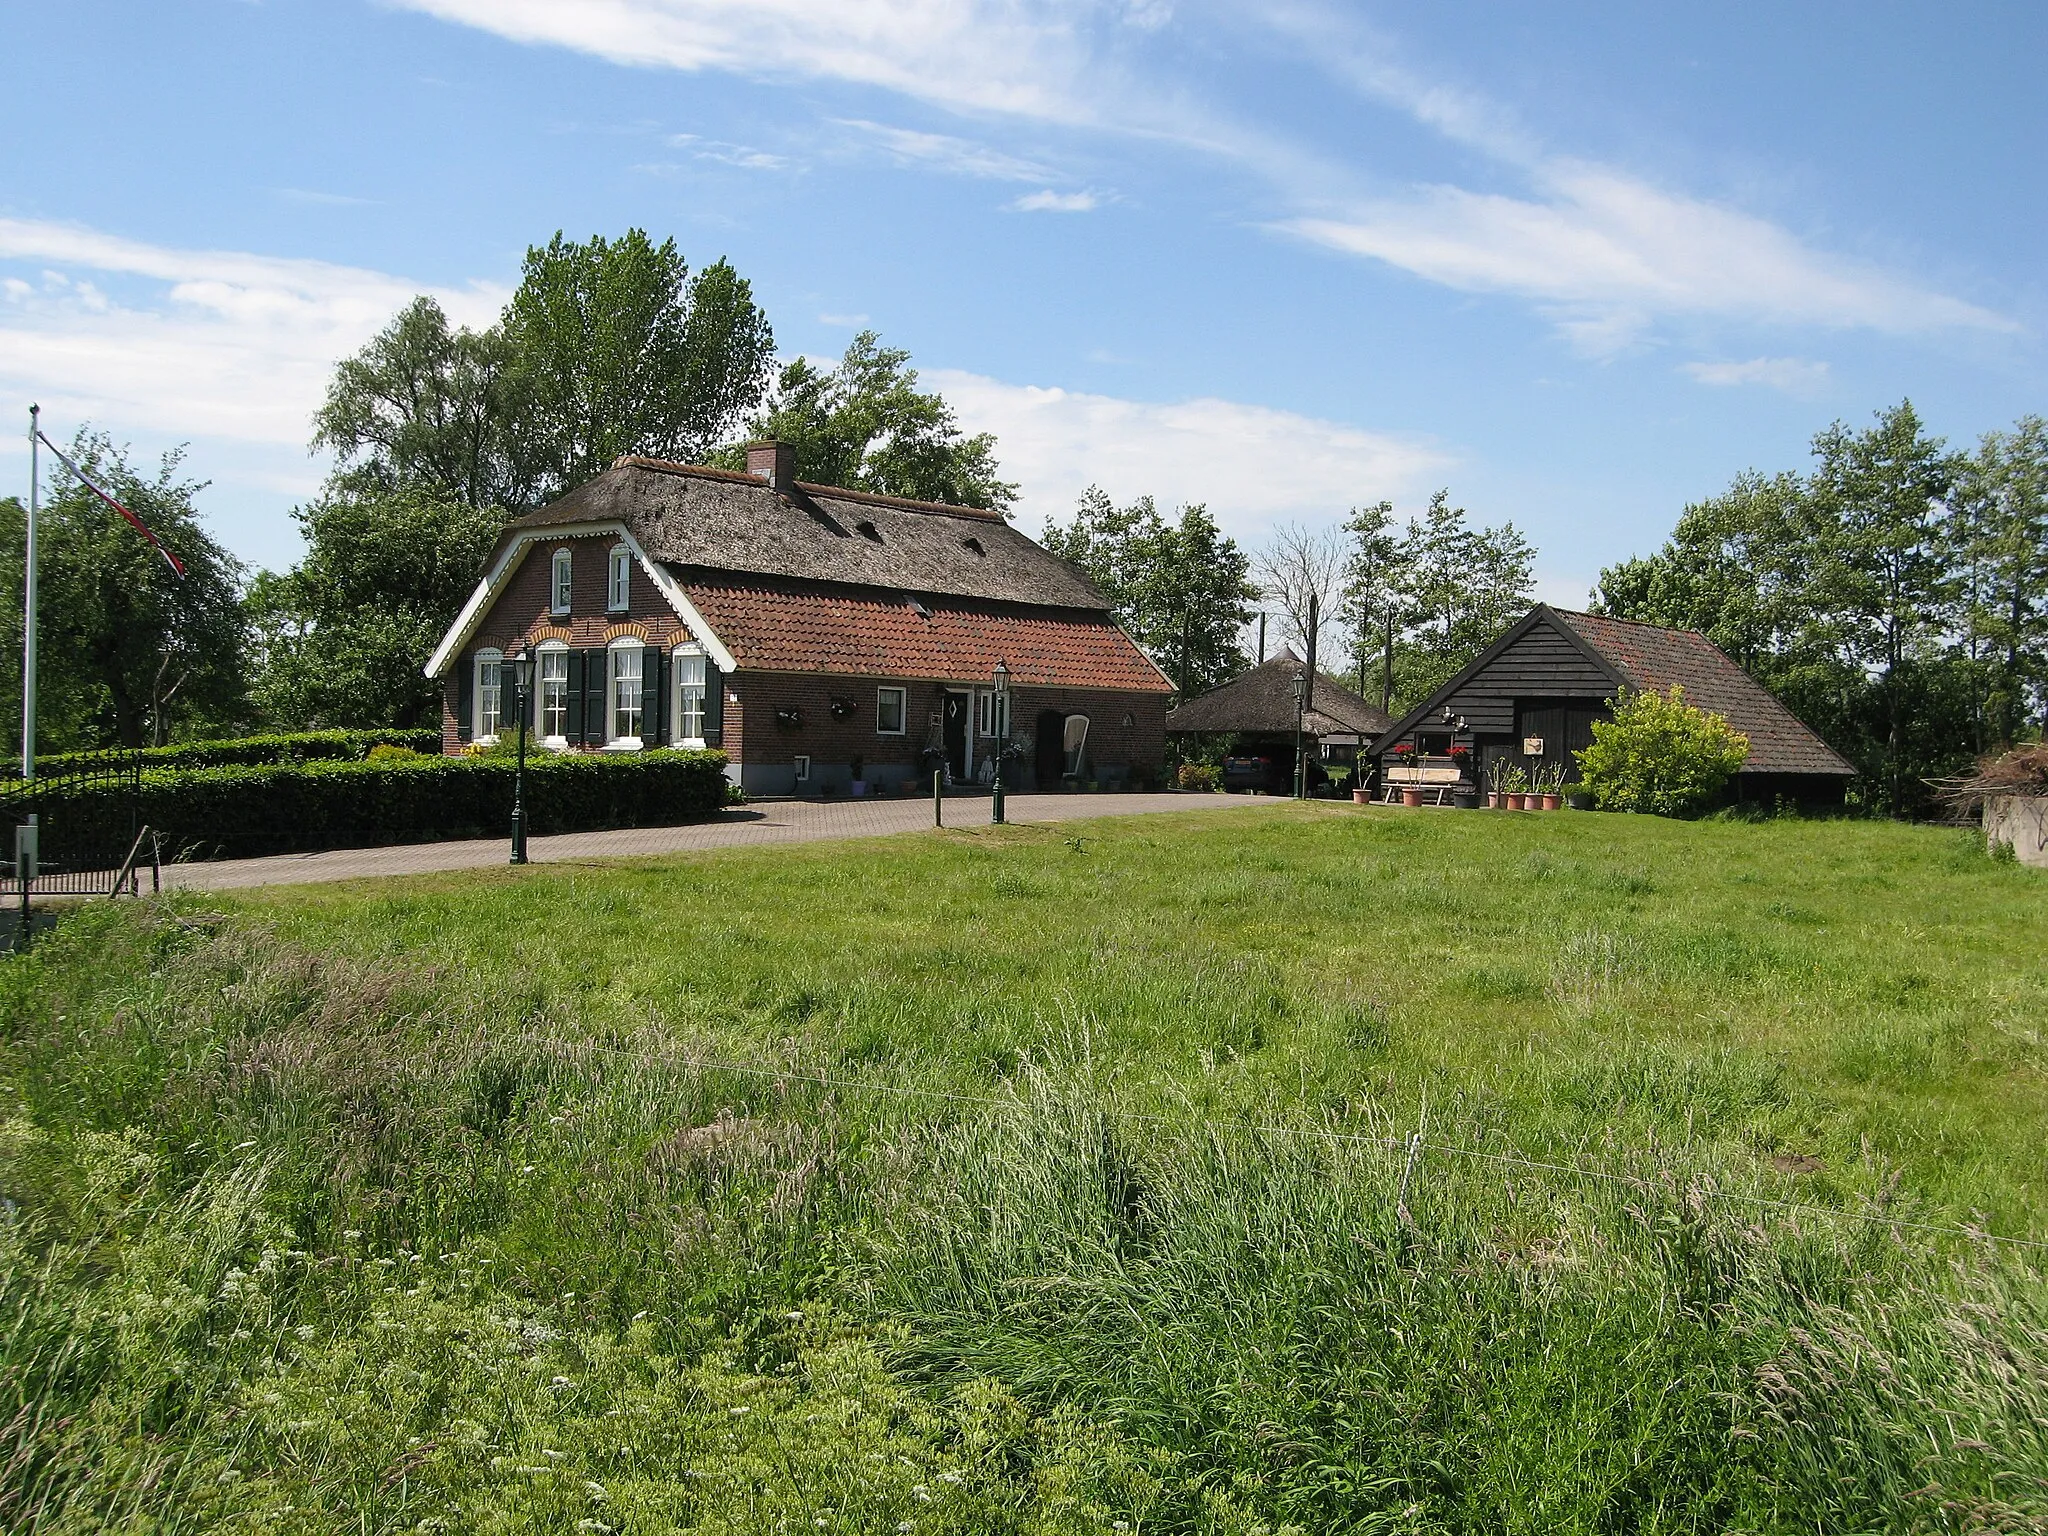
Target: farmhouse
814,634
1532,696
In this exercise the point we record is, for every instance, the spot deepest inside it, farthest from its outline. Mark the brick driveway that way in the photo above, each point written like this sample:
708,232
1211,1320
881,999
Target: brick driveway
771,821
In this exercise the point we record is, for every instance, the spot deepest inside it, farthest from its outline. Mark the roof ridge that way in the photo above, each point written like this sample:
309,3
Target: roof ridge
906,503
1608,618
696,471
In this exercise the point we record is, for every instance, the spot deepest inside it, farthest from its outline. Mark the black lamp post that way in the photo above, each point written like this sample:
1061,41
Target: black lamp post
999,726
522,679
1300,705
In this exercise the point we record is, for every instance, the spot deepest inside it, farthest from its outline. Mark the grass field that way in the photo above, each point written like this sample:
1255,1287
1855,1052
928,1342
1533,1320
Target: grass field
1032,1180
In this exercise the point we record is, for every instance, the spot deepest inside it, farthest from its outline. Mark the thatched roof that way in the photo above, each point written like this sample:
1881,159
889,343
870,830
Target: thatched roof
1261,701
694,519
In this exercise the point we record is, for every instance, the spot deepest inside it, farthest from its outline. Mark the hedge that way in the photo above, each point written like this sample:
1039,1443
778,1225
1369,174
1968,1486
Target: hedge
299,807
240,751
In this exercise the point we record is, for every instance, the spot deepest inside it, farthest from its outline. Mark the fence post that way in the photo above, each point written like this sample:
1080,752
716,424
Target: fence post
938,797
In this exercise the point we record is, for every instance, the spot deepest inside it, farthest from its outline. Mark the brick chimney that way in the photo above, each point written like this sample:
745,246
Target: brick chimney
774,462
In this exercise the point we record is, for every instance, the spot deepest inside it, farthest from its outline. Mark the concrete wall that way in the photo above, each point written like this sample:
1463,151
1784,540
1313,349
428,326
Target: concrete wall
2022,821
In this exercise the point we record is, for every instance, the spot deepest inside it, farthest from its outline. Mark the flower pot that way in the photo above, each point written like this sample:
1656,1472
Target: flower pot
1358,797
1552,802
1493,799
858,788
1411,797
1515,800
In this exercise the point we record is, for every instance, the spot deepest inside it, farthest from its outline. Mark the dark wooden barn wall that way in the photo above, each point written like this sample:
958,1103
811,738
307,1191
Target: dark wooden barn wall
1541,665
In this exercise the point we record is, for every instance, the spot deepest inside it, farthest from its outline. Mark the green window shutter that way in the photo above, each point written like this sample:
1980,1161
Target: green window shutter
572,728
714,705
651,695
465,698
597,711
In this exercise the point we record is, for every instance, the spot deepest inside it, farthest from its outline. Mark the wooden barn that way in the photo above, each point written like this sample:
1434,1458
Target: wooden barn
1531,698
1257,710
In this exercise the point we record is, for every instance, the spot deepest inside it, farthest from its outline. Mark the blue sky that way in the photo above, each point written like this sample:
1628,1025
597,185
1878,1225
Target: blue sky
1579,263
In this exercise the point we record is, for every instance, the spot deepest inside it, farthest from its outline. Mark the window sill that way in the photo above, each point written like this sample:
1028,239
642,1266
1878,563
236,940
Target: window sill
691,744
558,613
483,741
555,743
626,744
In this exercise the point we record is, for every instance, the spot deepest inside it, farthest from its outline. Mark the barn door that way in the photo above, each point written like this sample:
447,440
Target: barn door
955,736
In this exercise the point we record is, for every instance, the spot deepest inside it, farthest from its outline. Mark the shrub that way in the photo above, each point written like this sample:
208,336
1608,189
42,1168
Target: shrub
278,747
386,752
1197,775
282,808
1660,755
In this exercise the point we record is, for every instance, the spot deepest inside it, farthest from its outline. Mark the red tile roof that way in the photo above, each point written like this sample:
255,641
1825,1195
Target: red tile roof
1655,659
771,628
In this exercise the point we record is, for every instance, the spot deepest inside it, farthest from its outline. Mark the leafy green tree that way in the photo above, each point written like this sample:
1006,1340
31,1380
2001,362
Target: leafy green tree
617,349
129,652
427,407
1181,589
864,424
341,638
1375,585
1660,755
1998,546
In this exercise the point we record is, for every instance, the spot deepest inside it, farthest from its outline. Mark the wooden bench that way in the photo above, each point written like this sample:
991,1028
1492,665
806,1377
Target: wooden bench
1437,784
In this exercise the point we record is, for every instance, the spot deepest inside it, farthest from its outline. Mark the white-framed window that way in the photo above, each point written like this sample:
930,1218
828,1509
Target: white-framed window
619,593
627,659
991,713
561,585
490,696
554,693
892,710
688,713
1074,739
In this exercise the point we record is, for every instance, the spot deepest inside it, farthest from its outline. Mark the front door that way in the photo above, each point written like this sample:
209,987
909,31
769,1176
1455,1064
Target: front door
955,736
1050,756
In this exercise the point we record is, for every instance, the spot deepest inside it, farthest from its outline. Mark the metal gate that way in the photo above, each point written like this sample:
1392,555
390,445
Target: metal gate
77,830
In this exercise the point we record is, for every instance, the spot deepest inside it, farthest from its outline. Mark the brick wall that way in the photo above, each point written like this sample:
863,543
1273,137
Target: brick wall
765,750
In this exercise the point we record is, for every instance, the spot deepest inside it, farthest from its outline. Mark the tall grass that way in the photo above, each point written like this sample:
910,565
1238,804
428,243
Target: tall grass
398,1211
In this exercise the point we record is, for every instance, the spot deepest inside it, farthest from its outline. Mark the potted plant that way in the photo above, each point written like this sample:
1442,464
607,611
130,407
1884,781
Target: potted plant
1550,781
1497,784
1515,784
859,786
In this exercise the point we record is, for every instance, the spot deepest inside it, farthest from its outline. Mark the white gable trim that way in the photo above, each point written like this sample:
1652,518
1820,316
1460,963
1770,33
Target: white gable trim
493,584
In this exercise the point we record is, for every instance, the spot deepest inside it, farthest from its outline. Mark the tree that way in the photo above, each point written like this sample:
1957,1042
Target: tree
1998,546
341,638
863,424
1181,589
429,408
618,350
1878,497
1302,569
1660,755
129,652
1375,582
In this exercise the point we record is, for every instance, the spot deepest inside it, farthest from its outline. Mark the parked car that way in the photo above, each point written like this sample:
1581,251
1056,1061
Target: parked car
1270,772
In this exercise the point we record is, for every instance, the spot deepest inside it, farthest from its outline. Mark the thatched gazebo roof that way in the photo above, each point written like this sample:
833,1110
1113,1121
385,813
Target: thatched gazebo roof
1261,702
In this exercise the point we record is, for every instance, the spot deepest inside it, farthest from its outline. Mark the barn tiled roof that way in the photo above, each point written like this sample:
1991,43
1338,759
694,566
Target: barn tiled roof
787,627
1655,659
719,520
1262,701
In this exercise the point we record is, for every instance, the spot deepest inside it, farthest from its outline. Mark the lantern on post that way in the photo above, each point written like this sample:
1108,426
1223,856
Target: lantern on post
522,679
1300,707
999,727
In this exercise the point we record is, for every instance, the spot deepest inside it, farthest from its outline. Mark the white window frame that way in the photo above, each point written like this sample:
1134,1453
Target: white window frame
988,704
619,580
561,583
902,696
494,659
615,655
679,660
1074,758
548,651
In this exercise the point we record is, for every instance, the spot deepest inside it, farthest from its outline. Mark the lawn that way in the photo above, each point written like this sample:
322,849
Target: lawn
1064,1174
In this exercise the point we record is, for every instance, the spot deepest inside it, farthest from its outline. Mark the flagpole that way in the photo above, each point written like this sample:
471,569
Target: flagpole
28,603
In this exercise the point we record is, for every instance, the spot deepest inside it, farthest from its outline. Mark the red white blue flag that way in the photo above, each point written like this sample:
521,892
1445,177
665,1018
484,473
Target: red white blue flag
141,527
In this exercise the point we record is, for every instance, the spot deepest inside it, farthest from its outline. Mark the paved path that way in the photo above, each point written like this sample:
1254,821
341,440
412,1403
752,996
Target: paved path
772,821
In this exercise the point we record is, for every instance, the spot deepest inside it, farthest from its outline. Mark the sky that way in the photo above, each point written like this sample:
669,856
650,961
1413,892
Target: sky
1581,264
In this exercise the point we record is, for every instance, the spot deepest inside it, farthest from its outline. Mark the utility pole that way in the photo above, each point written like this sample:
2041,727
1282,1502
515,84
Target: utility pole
28,602
1262,639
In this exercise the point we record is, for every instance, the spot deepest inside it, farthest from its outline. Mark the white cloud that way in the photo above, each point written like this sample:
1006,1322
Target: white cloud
1608,253
718,151
941,151
1794,375
1251,464
850,322
201,343
1049,201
